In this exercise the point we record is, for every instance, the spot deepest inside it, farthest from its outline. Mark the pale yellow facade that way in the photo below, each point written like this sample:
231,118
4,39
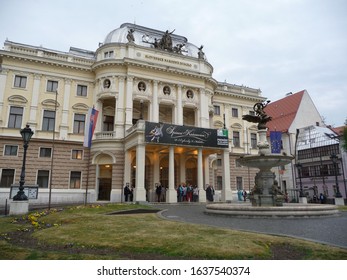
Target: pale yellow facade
129,83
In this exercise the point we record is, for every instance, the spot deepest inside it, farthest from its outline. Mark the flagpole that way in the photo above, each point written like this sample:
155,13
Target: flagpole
87,183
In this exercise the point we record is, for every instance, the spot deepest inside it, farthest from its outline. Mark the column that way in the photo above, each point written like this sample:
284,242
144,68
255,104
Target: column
34,101
127,167
155,104
129,103
206,170
226,191
120,112
3,77
182,168
203,113
202,196
140,191
179,105
64,126
99,121
171,194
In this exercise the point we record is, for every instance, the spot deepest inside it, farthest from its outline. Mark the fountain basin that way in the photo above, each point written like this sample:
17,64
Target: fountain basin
287,210
265,161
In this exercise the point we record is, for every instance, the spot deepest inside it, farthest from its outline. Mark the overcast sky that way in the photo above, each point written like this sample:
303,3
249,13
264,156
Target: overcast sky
278,46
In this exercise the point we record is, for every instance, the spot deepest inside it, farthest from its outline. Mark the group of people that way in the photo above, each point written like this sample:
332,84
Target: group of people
128,193
186,192
242,195
160,192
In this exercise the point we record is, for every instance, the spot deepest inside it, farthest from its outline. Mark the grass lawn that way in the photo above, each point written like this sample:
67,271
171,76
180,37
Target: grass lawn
88,232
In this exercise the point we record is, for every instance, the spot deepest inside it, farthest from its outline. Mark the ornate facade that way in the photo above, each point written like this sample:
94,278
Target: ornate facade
137,75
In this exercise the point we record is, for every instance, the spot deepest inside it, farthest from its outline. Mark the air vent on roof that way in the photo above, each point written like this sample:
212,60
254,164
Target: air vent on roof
289,93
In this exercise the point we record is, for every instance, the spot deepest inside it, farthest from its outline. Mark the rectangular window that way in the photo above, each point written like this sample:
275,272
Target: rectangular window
219,162
219,183
81,90
253,140
52,86
75,180
252,113
234,112
42,178
108,54
20,81
108,123
45,152
48,123
239,183
236,139
216,110
79,123
11,150
15,118
77,154
7,178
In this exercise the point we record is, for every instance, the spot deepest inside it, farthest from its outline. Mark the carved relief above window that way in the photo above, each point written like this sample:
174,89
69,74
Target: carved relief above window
107,83
166,90
190,94
141,86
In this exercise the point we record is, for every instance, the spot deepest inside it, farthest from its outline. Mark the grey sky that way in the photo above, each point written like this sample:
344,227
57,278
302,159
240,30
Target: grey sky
279,46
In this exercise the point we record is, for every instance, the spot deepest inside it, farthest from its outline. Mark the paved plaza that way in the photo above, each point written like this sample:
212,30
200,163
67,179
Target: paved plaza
327,230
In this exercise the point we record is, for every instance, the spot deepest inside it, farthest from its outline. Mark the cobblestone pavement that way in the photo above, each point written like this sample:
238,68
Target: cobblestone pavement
327,230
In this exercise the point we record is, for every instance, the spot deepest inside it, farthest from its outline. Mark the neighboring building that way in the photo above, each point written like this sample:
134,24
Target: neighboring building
289,114
139,79
316,149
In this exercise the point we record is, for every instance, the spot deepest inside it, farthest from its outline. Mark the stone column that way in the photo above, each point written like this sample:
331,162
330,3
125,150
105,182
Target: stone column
182,168
3,78
204,115
129,103
155,104
179,105
140,191
171,194
127,167
226,191
120,110
34,101
202,195
64,126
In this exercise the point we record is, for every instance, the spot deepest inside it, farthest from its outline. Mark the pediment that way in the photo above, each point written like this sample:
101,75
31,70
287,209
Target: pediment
18,99
80,107
49,103
236,126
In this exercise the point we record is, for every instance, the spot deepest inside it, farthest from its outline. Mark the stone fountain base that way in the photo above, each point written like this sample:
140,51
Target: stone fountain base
267,200
287,210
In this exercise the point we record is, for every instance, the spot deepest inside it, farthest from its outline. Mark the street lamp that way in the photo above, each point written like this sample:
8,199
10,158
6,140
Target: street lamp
26,133
334,159
299,167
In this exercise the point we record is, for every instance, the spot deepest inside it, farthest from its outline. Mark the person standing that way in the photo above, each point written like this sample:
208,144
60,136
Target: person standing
209,193
196,194
158,191
126,192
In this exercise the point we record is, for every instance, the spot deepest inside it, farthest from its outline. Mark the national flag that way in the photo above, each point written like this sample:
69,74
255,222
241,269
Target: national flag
90,127
276,142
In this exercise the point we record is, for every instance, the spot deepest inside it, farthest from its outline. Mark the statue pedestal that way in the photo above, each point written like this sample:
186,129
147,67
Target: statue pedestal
267,200
339,201
303,200
20,207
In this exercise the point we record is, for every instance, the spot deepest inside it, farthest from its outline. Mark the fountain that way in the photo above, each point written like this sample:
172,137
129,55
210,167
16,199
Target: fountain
266,197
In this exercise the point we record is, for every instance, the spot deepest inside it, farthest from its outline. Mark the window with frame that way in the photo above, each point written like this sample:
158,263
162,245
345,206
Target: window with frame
108,54
253,140
219,183
52,86
77,154
20,81
239,183
216,110
48,123
234,112
42,178
15,118
11,150
7,178
219,162
79,123
81,90
108,123
236,138
75,179
45,152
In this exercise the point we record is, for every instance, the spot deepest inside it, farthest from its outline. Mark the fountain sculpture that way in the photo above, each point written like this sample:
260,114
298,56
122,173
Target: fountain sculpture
267,200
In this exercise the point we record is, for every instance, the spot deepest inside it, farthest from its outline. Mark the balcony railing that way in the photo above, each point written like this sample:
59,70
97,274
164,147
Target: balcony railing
105,135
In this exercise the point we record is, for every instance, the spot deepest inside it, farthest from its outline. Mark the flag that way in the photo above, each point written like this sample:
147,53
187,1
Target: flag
276,142
90,127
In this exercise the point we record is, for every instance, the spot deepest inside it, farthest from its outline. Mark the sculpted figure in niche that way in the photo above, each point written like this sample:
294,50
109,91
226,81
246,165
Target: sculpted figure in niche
130,36
166,41
141,86
107,83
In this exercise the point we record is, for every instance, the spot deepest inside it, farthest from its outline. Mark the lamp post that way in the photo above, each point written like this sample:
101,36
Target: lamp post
299,167
334,159
26,133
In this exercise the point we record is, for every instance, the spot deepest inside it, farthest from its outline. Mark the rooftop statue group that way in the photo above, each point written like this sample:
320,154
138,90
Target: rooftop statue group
165,43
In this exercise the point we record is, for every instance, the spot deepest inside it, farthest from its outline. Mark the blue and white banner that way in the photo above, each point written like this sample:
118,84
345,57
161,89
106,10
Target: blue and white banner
276,142
90,127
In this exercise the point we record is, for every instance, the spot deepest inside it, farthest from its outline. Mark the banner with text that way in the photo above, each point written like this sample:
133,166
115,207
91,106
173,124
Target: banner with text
163,133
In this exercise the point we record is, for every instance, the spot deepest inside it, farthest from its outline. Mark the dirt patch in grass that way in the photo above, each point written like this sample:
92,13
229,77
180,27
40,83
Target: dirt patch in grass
134,211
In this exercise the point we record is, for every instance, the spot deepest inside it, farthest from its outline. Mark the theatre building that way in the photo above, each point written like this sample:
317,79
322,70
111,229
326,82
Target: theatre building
162,119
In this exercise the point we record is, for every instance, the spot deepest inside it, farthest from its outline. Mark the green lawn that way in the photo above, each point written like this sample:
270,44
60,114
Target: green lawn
87,232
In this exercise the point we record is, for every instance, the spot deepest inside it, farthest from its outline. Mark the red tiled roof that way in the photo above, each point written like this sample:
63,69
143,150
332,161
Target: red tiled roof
283,112
338,130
